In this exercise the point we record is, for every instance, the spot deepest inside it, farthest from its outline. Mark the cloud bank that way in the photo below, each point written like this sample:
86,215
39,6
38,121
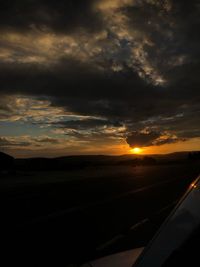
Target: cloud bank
90,70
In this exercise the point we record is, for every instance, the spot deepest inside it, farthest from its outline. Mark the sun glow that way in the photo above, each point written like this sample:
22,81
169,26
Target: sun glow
136,150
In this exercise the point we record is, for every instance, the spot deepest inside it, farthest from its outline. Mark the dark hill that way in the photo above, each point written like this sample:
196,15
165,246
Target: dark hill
6,162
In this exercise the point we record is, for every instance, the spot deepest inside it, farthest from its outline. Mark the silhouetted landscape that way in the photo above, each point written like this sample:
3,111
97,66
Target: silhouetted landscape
99,126
72,209
9,163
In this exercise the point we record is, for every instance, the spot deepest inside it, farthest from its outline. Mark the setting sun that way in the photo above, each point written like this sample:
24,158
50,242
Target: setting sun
136,150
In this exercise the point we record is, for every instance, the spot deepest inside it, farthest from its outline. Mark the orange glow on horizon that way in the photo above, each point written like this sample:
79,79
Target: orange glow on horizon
136,150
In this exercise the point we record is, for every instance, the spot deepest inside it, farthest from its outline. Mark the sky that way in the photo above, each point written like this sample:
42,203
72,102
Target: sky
99,77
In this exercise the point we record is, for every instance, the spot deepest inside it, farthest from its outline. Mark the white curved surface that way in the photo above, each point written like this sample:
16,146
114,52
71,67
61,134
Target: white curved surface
123,259
177,228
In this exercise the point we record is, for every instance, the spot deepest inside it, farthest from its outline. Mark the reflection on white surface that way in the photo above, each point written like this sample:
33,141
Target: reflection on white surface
183,221
123,259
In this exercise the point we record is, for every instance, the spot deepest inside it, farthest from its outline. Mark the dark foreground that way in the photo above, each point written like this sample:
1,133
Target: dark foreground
69,217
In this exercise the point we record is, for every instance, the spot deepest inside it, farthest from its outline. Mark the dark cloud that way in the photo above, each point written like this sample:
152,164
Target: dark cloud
46,140
27,141
94,92
123,83
171,28
185,124
142,139
59,16
87,124
7,142
168,140
118,96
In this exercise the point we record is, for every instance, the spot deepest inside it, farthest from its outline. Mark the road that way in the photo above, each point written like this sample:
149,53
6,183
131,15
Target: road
72,221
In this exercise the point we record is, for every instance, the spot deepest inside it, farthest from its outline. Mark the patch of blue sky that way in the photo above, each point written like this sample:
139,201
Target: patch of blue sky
18,129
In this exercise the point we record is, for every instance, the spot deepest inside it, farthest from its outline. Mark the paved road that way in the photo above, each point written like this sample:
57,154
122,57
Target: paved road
88,218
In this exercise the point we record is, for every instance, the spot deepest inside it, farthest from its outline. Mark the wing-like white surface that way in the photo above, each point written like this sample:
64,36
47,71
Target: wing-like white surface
123,259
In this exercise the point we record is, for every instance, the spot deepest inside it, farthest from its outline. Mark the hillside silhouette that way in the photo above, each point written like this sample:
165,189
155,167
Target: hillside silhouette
8,163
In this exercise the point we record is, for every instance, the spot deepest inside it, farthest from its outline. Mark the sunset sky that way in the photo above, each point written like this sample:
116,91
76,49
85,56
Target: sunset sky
99,77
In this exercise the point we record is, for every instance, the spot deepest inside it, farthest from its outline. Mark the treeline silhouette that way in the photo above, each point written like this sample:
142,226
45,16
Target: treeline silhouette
79,162
9,164
70,162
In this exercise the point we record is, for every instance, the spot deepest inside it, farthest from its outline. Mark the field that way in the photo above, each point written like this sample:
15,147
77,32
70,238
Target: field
69,217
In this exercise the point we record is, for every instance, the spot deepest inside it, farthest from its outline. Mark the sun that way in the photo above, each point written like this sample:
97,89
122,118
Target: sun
136,150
